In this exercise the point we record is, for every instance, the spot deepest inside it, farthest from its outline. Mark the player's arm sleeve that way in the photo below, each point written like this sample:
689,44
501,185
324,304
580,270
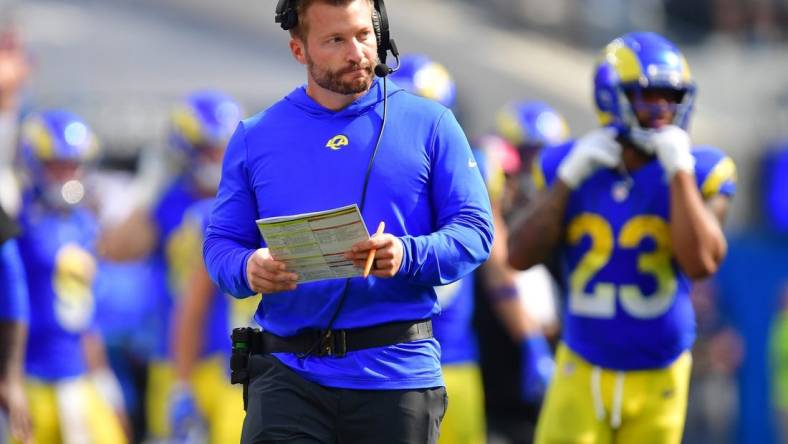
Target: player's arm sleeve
715,173
545,166
232,236
14,302
462,213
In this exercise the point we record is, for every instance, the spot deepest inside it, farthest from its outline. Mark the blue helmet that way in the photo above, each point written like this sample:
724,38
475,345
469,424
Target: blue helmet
204,119
56,136
531,125
637,61
420,75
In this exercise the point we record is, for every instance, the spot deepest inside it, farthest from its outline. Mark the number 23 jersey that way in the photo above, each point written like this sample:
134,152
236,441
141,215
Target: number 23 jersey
628,302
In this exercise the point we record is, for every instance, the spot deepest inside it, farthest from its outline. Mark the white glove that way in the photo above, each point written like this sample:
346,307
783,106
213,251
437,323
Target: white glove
597,149
671,145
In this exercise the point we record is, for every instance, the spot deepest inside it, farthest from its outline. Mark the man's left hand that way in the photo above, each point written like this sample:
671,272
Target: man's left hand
671,145
388,255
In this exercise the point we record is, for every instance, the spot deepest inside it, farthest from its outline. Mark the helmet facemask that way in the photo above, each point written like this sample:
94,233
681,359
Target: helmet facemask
61,187
649,109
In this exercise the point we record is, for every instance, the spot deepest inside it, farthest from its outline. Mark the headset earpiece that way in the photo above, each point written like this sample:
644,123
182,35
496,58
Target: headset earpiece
378,36
380,23
286,14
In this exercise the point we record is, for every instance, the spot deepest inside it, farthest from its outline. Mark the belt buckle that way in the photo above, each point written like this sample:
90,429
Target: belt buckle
333,343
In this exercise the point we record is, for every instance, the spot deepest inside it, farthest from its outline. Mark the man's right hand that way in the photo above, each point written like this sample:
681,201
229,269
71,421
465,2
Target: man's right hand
597,149
14,402
267,275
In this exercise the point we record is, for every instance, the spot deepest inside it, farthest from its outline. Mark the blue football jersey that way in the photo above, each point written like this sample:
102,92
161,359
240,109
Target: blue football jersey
124,293
453,326
184,254
628,301
167,216
57,251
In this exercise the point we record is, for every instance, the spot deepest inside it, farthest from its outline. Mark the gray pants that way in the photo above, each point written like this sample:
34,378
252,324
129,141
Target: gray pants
285,408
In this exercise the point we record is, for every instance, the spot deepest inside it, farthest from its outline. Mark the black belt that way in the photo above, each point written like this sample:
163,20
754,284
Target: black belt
339,342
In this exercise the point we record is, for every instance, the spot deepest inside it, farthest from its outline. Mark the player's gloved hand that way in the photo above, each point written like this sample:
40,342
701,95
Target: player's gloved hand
670,144
186,423
537,368
597,149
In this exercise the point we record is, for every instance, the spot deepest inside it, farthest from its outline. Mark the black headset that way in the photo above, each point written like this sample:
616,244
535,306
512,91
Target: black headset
287,17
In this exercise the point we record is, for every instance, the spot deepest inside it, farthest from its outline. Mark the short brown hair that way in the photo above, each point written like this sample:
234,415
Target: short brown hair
302,28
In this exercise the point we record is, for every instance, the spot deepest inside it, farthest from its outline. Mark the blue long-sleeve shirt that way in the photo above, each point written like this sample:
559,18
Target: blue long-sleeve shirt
298,157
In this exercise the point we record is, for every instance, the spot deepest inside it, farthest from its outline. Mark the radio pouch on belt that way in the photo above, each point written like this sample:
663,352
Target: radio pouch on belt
245,341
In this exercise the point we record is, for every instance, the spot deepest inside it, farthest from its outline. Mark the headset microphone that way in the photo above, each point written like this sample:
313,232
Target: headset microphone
381,69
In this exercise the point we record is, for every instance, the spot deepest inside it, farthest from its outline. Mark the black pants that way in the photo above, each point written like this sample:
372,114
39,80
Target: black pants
285,408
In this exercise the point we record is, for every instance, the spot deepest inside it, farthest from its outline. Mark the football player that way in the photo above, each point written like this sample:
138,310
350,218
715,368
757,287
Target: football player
464,421
518,308
635,211
202,401
14,319
199,129
64,351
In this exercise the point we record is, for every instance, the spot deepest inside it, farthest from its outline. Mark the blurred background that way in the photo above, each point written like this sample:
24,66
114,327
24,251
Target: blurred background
121,64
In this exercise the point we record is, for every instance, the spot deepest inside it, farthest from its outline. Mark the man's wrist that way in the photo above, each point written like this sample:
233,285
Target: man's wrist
247,258
504,293
682,160
569,177
403,267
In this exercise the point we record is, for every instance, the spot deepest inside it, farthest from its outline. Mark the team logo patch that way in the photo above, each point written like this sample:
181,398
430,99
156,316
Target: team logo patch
337,142
620,191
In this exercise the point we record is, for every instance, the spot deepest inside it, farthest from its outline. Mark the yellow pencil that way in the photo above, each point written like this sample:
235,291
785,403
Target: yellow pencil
371,254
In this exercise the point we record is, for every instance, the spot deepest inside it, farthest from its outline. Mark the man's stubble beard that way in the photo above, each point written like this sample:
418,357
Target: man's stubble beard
332,80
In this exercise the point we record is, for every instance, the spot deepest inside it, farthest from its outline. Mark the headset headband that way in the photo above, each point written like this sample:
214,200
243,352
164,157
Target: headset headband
287,17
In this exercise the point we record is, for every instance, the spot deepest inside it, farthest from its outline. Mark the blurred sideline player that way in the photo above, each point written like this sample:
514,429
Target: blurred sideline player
202,390
528,126
14,72
635,214
14,304
14,319
517,308
70,390
199,129
125,296
464,419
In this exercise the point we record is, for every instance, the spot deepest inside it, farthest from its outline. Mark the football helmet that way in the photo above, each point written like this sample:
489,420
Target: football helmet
420,75
200,127
531,125
635,62
204,119
55,146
